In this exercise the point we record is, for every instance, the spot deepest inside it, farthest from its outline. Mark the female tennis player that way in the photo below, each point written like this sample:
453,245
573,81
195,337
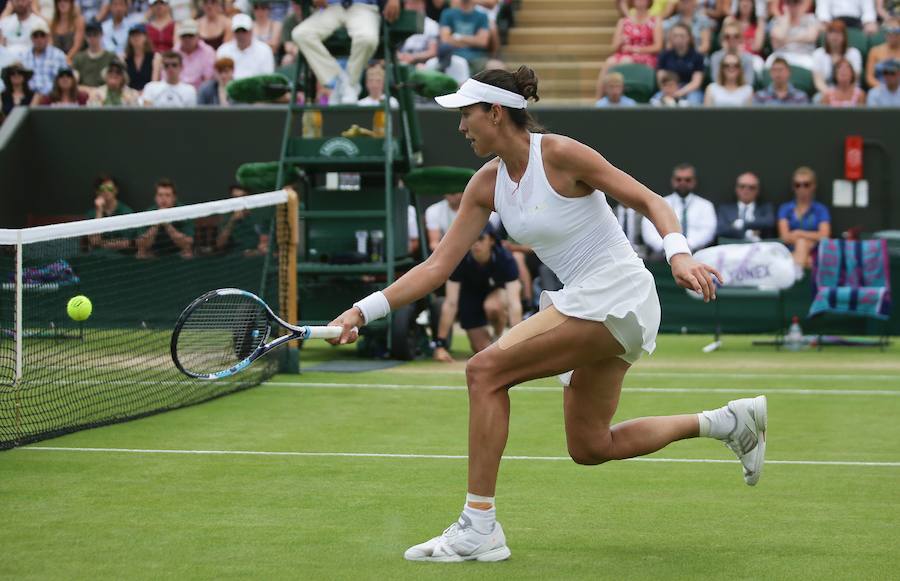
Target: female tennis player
548,190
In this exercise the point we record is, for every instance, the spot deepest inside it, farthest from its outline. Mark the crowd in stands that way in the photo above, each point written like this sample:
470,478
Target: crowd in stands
181,53
736,53
244,231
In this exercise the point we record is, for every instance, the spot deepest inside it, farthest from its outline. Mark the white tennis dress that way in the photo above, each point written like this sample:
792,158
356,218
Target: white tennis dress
581,241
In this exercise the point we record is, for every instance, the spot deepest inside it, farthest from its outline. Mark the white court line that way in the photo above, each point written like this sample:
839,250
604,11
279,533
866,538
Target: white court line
543,388
438,456
727,375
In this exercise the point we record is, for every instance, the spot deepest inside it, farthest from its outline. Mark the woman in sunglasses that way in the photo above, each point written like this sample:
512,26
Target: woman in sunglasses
106,203
730,88
803,222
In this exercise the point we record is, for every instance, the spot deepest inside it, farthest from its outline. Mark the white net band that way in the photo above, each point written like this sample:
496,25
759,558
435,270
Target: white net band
139,219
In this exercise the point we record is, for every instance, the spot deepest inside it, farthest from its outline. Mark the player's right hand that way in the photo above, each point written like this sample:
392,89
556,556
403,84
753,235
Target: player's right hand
350,320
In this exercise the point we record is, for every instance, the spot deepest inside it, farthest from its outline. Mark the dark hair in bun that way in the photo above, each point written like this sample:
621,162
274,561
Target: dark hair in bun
525,83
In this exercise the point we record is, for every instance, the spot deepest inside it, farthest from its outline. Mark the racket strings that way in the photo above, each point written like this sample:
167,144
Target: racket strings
221,332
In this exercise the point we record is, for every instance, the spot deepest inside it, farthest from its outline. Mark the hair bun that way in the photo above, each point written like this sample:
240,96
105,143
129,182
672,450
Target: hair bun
527,82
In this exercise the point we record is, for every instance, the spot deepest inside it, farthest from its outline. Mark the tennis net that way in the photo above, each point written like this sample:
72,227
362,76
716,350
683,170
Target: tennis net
139,271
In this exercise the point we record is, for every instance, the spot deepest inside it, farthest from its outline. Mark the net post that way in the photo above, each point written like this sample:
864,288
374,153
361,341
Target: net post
288,233
17,380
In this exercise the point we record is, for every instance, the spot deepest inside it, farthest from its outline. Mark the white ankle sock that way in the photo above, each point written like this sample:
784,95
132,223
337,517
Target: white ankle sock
482,520
717,423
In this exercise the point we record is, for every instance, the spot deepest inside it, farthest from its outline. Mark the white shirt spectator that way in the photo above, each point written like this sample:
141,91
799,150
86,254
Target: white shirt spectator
431,32
18,33
115,38
828,10
368,101
696,214
162,94
822,63
722,97
256,59
412,224
439,216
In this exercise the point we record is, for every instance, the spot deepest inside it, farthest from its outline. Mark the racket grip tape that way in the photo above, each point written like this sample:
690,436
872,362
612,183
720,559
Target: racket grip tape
331,332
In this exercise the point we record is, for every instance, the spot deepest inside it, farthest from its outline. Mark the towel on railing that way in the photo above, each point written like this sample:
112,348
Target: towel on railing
852,277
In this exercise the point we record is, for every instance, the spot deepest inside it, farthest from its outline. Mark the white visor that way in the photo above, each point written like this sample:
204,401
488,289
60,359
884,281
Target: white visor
473,91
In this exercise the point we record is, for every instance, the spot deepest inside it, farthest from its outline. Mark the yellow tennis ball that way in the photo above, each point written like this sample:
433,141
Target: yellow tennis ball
79,308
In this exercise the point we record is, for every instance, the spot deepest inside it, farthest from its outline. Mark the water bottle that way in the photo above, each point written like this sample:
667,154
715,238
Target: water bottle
794,341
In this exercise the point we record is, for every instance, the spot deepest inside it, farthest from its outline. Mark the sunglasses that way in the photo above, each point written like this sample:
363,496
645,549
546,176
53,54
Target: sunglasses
171,65
731,65
890,73
16,74
802,184
731,36
679,179
106,188
747,186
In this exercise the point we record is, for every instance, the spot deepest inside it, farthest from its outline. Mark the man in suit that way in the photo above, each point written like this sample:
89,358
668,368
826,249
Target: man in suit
696,214
746,219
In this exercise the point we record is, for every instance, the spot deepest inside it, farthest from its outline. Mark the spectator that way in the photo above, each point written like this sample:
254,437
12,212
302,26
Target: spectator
64,92
375,87
698,25
845,92
251,57
662,9
780,91
803,222
169,92
630,221
466,33
614,92
748,18
730,88
244,231
264,28
638,37
836,49
16,28
106,203
139,58
16,91
361,20
696,215
161,27
214,26
746,219
668,92
794,36
169,238
90,62
439,216
67,27
890,49
46,61
419,48
484,291
213,91
96,10
887,9
685,62
115,92
292,20
181,10
886,94
731,44
197,56
117,27
853,13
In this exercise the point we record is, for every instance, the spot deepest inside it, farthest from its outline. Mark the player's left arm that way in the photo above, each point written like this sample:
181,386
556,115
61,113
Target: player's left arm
583,165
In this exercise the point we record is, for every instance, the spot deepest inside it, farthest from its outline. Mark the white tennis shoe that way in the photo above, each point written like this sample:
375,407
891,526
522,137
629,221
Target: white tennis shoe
748,438
460,542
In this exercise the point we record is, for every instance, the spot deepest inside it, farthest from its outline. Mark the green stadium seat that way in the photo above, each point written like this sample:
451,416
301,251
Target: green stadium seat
876,39
801,78
640,81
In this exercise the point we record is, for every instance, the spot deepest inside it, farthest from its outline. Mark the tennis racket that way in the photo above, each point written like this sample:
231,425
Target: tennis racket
225,330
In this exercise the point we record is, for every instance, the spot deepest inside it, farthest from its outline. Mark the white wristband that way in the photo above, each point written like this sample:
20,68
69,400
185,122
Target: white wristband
373,307
675,243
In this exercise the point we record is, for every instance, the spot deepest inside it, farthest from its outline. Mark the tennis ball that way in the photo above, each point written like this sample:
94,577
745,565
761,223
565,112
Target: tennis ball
79,308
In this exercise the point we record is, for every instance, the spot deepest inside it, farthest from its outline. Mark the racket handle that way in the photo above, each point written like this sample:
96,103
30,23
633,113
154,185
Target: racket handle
332,332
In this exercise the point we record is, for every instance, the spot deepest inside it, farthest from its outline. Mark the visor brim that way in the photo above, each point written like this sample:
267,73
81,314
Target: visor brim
455,101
